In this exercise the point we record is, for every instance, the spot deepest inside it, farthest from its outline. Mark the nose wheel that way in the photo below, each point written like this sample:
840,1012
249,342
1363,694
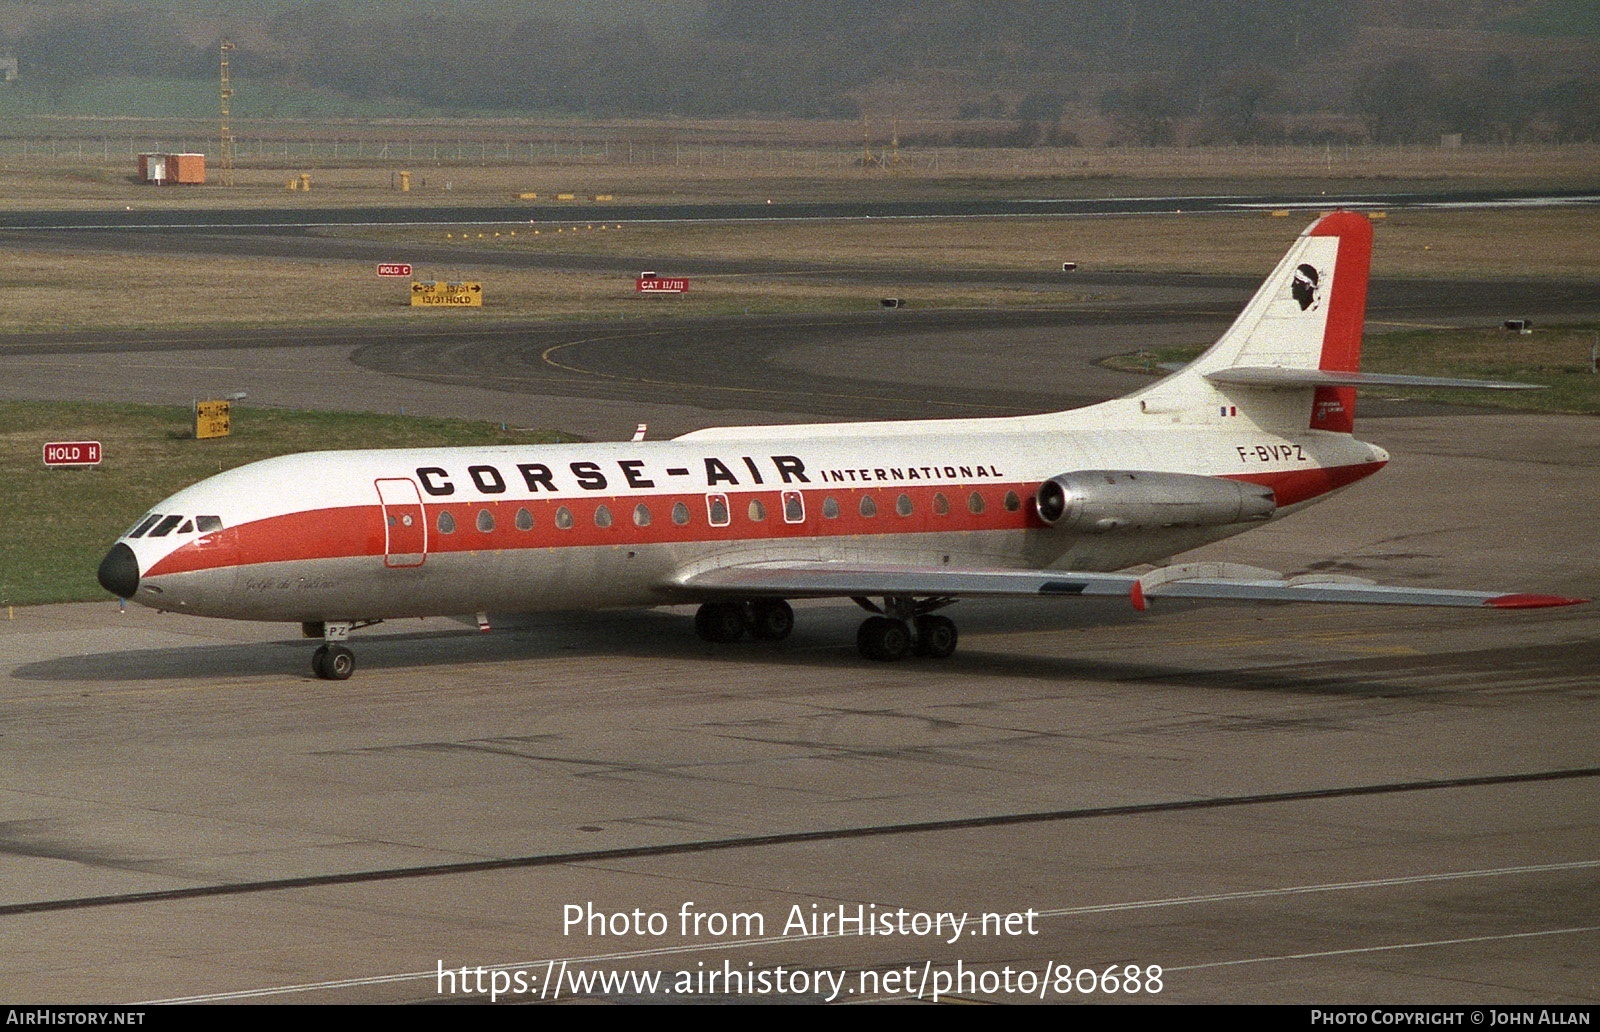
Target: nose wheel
333,662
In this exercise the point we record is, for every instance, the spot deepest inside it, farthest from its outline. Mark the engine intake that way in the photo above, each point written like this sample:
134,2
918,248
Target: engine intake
1100,500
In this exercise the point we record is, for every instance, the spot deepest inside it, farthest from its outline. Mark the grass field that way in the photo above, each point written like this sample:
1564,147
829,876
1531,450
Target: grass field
1558,357
59,522
77,164
48,291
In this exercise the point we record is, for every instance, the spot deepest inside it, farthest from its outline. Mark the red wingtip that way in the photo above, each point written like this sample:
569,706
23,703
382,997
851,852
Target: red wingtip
1136,596
1532,601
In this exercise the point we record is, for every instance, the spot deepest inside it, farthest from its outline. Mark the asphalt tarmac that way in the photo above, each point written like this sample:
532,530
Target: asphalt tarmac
1270,804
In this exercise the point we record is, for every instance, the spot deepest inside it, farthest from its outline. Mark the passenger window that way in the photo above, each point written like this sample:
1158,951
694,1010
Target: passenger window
830,508
164,528
941,505
564,518
902,505
1013,503
641,515
485,521
717,510
758,512
447,523
975,503
680,513
144,525
524,519
602,516
207,524
794,507
868,506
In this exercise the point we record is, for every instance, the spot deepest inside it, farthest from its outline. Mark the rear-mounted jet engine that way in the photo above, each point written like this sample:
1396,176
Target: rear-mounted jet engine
1098,501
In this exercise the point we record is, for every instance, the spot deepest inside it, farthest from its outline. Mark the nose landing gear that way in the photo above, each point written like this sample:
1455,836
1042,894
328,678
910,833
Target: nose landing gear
333,661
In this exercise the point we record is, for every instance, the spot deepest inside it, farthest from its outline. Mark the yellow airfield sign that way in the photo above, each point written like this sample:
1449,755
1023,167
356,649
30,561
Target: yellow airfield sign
449,295
211,419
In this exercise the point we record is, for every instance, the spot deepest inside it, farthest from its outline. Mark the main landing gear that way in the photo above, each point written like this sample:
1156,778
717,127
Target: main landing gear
904,627
765,619
900,627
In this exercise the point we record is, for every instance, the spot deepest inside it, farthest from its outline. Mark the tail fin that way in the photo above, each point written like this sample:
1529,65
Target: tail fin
1306,317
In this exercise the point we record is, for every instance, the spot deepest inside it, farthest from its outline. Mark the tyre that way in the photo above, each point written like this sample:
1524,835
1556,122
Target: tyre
936,636
771,620
318,660
883,639
720,622
339,663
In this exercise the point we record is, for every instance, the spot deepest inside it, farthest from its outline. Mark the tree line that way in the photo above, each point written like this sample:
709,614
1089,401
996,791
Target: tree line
1149,71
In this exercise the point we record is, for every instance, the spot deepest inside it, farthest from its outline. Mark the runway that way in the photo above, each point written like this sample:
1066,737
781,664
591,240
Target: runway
1269,804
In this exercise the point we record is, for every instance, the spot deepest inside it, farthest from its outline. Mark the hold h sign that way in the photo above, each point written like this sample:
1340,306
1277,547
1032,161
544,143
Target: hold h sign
72,453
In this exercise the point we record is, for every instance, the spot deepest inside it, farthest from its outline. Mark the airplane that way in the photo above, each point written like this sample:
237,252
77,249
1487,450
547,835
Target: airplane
913,514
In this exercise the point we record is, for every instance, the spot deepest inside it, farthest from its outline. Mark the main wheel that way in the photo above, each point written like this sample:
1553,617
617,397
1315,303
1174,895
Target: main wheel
720,621
319,660
936,636
771,620
883,639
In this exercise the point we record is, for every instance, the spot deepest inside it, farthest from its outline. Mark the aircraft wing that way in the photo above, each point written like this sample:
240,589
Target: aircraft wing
1221,581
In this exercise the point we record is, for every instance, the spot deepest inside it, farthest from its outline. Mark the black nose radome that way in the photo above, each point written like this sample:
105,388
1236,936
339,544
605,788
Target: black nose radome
119,571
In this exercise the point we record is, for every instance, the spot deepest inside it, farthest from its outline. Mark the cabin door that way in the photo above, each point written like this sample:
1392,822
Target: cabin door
405,527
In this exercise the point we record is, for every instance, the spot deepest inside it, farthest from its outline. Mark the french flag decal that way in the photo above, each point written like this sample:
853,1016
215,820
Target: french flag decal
1230,410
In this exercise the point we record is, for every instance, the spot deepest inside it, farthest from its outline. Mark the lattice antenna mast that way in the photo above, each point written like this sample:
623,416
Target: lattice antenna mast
226,133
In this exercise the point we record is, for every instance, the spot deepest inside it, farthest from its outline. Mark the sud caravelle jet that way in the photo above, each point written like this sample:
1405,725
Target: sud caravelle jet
740,519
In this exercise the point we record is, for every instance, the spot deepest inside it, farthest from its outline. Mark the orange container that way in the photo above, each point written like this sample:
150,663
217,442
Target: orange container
186,168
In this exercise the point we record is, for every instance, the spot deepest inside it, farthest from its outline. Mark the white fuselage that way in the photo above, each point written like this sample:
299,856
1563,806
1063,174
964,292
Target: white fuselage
359,535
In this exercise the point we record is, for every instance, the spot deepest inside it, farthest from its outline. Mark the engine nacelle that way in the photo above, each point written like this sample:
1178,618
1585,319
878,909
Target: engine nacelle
1100,500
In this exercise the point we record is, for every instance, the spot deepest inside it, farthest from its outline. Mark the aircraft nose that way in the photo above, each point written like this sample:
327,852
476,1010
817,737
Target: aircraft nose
119,571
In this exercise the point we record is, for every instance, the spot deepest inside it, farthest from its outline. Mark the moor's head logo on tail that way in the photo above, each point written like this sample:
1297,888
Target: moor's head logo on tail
1305,287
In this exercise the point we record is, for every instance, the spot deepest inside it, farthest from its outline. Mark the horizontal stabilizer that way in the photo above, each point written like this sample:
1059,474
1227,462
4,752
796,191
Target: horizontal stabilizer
1276,377
1195,581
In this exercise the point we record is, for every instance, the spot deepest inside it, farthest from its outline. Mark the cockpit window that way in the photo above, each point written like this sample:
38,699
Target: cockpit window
144,525
207,524
164,528
187,528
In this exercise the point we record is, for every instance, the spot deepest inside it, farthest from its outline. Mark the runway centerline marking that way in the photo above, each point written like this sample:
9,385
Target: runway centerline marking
770,940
